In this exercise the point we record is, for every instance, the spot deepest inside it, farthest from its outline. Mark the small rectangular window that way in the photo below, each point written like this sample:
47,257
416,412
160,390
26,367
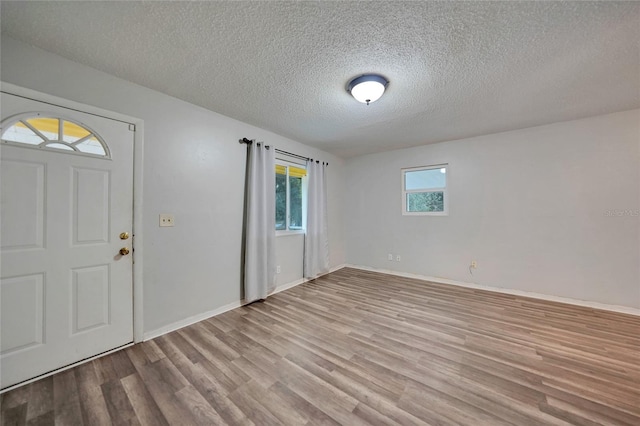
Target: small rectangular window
424,190
290,194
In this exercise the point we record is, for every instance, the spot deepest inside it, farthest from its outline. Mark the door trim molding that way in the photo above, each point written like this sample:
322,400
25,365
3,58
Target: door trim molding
138,149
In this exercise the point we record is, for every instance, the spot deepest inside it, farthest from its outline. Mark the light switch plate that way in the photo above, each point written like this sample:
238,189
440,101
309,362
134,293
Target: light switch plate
166,219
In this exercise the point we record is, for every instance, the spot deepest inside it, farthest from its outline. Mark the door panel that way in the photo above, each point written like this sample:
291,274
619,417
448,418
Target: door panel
90,298
66,291
22,300
91,195
22,213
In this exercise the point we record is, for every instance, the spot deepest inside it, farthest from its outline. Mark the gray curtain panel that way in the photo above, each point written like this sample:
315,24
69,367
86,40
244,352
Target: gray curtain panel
316,241
260,240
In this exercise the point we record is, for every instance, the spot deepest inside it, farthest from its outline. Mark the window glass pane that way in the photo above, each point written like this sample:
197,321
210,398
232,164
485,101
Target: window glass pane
295,198
19,132
425,202
47,126
425,179
72,132
281,200
47,133
91,146
59,146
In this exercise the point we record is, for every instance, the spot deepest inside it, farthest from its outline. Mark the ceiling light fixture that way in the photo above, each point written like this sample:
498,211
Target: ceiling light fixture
367,88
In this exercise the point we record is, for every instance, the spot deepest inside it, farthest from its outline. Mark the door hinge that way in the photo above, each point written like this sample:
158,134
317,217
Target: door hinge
132,127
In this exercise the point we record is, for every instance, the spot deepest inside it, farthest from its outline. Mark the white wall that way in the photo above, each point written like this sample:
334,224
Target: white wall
193,168
531,206
289,252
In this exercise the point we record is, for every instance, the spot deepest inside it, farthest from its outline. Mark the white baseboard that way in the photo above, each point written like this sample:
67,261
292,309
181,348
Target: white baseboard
212,313
585,303
190,320
304,280
289,285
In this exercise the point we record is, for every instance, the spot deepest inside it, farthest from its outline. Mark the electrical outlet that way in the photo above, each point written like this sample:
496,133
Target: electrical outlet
398,258
390,256
278,269
166,219
474,264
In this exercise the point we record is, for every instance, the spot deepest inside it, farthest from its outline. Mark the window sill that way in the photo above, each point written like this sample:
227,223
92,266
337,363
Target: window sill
425,213
287,233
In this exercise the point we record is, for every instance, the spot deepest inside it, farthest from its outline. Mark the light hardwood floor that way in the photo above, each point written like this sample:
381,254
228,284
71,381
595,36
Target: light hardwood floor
358,347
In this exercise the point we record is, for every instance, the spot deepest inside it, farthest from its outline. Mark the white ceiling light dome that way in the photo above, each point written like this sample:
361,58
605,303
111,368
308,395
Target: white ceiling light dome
367,88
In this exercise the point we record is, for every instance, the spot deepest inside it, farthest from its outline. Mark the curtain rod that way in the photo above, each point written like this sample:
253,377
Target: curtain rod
250,141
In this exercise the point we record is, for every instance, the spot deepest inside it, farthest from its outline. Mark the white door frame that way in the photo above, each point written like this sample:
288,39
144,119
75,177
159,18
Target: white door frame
138,145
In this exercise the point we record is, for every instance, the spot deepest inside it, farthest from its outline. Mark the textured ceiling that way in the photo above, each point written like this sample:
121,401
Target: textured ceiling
456,69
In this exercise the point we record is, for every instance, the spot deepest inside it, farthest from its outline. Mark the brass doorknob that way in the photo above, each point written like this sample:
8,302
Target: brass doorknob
124,236
124,251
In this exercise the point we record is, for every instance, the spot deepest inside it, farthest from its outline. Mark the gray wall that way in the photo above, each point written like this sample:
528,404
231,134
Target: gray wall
193,168
530,206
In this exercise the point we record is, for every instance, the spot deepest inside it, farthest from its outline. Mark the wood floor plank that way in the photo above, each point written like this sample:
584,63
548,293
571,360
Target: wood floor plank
303,407
357,347
120,409
142,402
280,409
163,381
202,411
43,420
213,388
15,415
105,370
66,399
92,402
252,408
371,416
18,396
40,400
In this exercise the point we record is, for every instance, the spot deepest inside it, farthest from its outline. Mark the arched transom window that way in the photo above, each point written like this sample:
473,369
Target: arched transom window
56,133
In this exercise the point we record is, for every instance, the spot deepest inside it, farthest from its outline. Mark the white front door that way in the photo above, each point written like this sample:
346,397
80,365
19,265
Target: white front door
66,183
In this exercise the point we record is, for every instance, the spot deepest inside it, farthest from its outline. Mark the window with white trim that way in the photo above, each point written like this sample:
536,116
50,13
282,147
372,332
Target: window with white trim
290,196
424,190
38,131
